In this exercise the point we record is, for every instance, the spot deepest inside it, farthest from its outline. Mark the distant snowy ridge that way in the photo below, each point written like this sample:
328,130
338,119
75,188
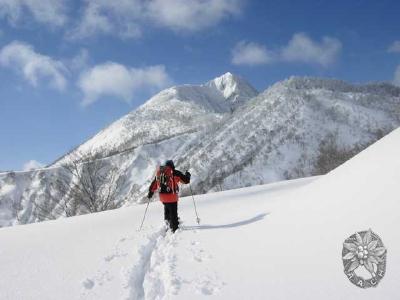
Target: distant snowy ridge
342,86
227,135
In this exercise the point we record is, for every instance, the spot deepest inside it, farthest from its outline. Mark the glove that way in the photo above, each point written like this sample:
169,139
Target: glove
150,194
187,174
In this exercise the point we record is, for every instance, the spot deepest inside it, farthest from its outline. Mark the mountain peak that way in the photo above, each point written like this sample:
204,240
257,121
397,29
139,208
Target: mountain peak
234,88
228,76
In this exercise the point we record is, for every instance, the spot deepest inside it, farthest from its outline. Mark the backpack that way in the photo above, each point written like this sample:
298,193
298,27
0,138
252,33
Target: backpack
165,179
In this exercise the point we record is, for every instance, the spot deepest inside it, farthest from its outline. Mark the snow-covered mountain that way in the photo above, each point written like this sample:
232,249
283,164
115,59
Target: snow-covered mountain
277,241
298,127
227,135
172,112
136,143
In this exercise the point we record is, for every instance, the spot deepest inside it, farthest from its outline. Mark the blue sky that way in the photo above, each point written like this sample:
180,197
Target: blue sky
70,68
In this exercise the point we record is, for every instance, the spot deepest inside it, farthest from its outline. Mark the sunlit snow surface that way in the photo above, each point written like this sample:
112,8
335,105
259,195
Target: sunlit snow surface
277,241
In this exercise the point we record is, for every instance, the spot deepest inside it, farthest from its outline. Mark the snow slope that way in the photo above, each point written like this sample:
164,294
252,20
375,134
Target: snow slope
277,241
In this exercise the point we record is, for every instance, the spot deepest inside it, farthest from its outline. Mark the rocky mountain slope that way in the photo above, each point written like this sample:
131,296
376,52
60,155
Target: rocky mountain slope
226,134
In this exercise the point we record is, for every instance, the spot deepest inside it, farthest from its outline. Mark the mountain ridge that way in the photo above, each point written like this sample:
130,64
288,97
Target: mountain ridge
295,128
200,101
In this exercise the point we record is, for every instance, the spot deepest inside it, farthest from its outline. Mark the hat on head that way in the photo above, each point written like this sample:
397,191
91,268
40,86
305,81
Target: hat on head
170,164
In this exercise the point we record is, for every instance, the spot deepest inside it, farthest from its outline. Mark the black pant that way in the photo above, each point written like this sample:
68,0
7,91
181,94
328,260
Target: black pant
171,215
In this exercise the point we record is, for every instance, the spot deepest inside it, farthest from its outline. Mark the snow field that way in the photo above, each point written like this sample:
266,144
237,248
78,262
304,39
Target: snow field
103,256
276,241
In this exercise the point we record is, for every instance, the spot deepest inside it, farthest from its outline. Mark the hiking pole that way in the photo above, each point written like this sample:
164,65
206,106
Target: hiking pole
145,212
195,208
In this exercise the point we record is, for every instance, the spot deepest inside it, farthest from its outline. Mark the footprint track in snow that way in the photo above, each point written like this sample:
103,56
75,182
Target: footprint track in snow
203,279
153,276
208,284
161,279
153,272
104,274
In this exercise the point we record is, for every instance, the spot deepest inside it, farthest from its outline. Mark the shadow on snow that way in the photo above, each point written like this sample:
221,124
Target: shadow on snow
231,225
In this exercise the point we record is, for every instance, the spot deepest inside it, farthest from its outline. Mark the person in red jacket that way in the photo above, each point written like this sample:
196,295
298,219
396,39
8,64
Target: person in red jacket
166,182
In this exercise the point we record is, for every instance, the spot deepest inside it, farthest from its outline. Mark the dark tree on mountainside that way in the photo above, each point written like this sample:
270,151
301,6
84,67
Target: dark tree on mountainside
331,155
84,184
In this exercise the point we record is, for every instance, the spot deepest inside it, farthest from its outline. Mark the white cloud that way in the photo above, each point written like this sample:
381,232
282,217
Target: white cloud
302,48
51,12
32,165
118,17
191,15
122,18
34,66
127,18
395,47
396,80
248,53
116,80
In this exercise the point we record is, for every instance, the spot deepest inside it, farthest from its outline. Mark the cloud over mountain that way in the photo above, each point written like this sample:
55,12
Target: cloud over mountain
35,67
126,19
248,53
52,12
116,80
300,49
191,15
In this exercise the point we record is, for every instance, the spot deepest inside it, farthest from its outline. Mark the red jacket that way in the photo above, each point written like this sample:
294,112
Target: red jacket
178,177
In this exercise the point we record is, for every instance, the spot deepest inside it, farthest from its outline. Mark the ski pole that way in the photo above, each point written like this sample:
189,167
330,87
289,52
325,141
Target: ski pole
195,208
144,216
